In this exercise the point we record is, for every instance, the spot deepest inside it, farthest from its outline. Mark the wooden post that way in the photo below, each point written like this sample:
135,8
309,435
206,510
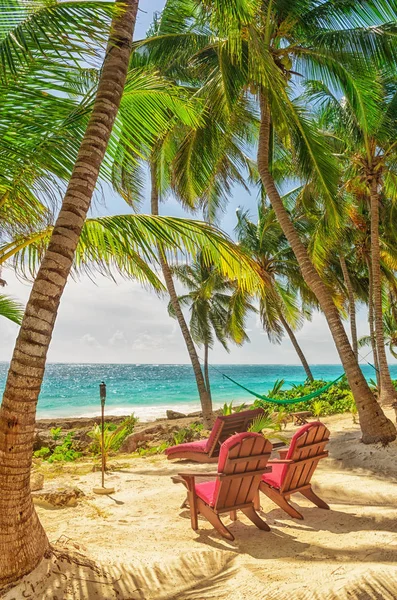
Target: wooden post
102,394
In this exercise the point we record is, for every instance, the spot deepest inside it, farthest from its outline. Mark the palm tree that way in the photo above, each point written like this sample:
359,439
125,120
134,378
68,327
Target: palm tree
390,331
369,152
217,307
279,310
301,33
263,45
23,541
177,165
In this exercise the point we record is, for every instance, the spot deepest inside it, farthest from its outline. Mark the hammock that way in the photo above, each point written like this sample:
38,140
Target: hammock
287,400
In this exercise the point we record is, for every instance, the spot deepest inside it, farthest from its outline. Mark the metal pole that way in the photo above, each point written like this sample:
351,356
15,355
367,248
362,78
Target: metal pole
102,394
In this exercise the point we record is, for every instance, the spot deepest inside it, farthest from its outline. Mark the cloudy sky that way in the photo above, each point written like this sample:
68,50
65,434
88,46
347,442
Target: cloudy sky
110,323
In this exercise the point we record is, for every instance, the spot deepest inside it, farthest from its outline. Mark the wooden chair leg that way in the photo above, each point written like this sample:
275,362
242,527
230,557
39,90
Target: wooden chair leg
257,501
192,499
310,495
233,515
213,518
185,503
280,501
255,518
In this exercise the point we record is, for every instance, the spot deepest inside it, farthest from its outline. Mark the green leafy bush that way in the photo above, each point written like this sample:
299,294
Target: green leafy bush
187,434
337,399
112,439
129,423
42,453
151,450
55,433
65,452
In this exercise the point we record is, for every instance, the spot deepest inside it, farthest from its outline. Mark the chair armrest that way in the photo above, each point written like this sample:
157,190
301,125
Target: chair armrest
283,453
197,474
279,461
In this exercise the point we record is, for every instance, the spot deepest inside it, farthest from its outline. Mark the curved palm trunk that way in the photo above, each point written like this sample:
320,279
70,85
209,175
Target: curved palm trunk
206,372
388,394
352,304
23,541
297,347
205,398
371,322
374,424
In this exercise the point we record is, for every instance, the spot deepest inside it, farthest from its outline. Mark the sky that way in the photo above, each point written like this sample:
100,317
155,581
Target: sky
107,322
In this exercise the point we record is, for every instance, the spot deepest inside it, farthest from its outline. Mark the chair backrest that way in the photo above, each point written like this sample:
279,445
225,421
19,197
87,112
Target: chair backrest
228,425
242,461
306,449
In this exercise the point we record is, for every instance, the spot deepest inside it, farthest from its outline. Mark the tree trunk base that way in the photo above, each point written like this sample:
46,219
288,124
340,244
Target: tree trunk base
384,433
21,551
388,398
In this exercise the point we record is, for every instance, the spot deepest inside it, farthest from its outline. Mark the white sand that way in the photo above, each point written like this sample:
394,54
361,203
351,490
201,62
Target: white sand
145,544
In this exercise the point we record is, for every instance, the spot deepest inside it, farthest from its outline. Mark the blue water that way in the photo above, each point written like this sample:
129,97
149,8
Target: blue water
148,390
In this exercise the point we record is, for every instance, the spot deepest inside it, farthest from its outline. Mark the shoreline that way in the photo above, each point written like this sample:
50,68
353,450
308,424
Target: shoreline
146,414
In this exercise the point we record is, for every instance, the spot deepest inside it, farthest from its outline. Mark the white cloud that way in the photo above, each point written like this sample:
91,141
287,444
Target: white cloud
112,323
89,340
118,339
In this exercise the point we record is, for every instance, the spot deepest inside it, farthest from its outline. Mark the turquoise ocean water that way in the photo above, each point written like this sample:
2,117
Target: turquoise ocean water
148,390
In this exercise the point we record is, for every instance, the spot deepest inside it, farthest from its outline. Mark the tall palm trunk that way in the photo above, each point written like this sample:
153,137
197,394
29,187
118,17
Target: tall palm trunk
297,347
374,424
388,394
206,371
371,322
205,398
352,304
23,541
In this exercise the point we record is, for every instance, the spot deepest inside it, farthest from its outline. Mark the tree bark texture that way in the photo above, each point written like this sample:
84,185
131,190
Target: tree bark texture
297,347
388,394
23,541
352,304
371,323
375,426
205,398
206,371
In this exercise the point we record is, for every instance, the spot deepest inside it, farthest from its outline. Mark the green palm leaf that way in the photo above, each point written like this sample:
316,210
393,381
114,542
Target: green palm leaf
10,309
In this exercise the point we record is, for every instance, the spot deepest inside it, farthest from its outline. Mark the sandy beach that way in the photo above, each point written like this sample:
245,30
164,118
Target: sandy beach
142,546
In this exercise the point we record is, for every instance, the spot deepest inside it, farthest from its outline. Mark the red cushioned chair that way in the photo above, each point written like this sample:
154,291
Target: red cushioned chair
242,462
207,451
293,472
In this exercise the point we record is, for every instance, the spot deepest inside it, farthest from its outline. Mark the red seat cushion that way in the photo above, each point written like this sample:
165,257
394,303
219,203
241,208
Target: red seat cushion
198,446
207,491
275,478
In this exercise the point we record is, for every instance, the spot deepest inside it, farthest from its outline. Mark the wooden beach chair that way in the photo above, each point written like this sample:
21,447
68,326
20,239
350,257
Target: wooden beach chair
293,472
207,451
242,462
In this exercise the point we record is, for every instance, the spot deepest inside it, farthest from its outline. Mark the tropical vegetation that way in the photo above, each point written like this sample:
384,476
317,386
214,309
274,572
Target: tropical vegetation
308,86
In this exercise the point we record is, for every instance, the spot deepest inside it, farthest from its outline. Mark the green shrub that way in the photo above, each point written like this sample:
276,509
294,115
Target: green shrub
129,423
55,433
317,408
65,452
153,449
42,453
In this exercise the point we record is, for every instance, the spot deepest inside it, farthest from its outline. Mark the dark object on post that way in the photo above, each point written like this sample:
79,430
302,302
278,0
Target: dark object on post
242,462
292,473
299,418
207,451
